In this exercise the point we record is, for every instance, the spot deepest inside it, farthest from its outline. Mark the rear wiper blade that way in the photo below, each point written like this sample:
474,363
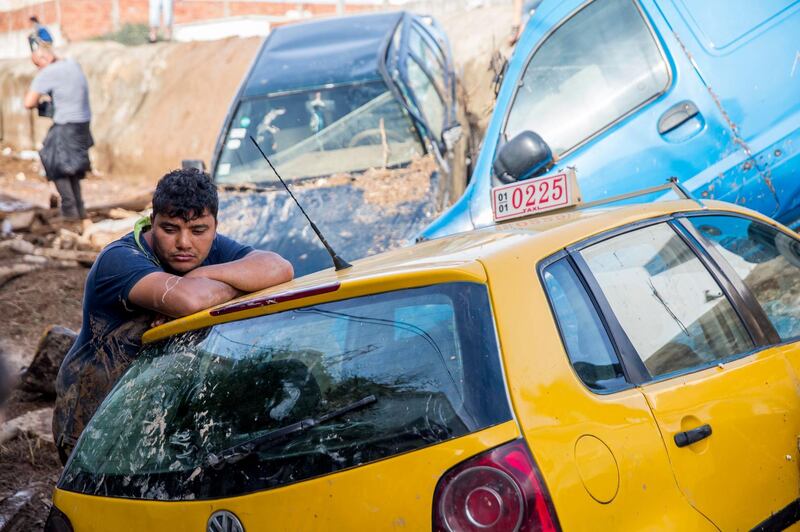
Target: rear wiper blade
241,450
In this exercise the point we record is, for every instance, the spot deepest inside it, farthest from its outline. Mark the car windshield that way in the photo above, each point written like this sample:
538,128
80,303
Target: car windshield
263,402
343,129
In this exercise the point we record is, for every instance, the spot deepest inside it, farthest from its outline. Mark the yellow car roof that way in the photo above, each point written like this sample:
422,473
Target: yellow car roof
458,257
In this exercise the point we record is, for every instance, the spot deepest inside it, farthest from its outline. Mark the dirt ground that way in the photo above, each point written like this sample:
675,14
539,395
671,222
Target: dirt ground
21,180
28,305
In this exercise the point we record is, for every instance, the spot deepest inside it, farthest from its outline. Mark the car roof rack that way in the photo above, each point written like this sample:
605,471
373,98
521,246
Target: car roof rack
672,184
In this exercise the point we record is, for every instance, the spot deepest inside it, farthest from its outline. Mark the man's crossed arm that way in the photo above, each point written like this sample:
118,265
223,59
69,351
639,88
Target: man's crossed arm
206,286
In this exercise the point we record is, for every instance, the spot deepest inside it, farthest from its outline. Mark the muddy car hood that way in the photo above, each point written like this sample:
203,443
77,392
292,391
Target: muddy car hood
359,215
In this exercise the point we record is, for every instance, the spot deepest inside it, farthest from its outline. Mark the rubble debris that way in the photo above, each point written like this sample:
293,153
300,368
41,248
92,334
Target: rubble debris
8,273
12,204
20,220
11,507
103,233
24,247
8,432
118,213
36,422
40,376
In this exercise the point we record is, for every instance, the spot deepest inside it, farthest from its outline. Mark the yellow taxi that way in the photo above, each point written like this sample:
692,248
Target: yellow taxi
625,368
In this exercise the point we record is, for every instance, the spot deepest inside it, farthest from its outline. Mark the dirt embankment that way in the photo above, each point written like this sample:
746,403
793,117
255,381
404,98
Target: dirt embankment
475,36
152,105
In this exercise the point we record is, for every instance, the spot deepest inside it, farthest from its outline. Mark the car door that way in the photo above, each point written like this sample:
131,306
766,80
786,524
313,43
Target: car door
610,90
760,99
766,263
726,403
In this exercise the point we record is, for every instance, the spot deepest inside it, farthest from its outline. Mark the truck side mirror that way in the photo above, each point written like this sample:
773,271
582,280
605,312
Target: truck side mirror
193,163
526,155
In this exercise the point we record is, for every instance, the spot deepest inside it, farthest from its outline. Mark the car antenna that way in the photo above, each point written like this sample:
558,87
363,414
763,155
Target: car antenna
338,262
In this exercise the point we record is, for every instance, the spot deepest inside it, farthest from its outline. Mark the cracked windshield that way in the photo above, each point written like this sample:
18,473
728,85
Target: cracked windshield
264,402
315,133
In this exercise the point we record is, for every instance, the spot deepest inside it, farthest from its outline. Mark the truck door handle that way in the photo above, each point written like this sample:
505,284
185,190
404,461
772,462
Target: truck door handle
682,439
676,115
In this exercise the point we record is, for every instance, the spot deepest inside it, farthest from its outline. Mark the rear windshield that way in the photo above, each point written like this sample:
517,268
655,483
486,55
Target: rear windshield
264,402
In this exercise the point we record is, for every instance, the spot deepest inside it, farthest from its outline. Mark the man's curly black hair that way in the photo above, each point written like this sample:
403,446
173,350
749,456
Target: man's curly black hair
185,193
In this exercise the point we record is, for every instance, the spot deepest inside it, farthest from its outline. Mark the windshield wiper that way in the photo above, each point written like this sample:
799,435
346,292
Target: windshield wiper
237,452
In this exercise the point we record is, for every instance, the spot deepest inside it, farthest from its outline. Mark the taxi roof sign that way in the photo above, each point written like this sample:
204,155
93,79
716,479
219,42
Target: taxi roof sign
535,196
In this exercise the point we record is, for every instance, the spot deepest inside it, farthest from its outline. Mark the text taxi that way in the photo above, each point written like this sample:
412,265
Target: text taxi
597,368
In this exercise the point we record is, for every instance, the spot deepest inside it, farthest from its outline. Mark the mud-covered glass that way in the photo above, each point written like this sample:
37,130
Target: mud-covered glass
766,259
264,402
585,338
311,133
427,98
430,56
674,312
595,68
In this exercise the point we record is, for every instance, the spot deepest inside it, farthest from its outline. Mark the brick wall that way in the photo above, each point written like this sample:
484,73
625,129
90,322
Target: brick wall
83,19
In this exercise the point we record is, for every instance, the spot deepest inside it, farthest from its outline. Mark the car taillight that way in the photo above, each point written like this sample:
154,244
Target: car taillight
499,490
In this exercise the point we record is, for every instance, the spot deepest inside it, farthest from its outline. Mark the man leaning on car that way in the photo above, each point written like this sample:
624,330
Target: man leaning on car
173,264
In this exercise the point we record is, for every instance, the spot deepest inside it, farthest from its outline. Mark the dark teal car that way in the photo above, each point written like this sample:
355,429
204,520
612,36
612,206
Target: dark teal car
359,114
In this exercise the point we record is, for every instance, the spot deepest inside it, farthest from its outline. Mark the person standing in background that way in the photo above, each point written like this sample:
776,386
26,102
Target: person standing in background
160,9
40,31
60,90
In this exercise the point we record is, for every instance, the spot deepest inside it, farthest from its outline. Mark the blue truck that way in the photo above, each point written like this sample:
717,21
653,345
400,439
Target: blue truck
630,93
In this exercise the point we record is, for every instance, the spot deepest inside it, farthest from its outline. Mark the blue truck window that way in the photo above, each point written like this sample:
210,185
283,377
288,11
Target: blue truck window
767,260
585,339
599,65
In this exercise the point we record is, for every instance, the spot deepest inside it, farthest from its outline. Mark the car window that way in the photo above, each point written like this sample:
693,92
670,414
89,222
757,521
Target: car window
585,338
430,57
598,66
767,260
347,128
383,374
427,97
674,312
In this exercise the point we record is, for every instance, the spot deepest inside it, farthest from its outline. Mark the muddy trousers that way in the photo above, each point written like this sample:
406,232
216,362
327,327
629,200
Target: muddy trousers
69,188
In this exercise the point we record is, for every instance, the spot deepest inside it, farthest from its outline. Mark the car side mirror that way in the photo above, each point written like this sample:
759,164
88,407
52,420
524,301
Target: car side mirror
526,155
193,163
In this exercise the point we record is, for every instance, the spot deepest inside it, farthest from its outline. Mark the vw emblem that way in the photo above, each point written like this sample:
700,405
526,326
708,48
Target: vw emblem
224,521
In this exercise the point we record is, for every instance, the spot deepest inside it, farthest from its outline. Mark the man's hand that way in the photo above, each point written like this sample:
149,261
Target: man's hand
255,271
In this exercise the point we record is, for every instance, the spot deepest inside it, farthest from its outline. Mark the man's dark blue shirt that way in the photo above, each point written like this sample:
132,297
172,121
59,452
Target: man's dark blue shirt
112,328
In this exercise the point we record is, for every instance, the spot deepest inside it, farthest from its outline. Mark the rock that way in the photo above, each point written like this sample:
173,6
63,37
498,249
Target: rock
8,432
28,155
20,220
35,259
40,377
120,214
8,273
36,422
